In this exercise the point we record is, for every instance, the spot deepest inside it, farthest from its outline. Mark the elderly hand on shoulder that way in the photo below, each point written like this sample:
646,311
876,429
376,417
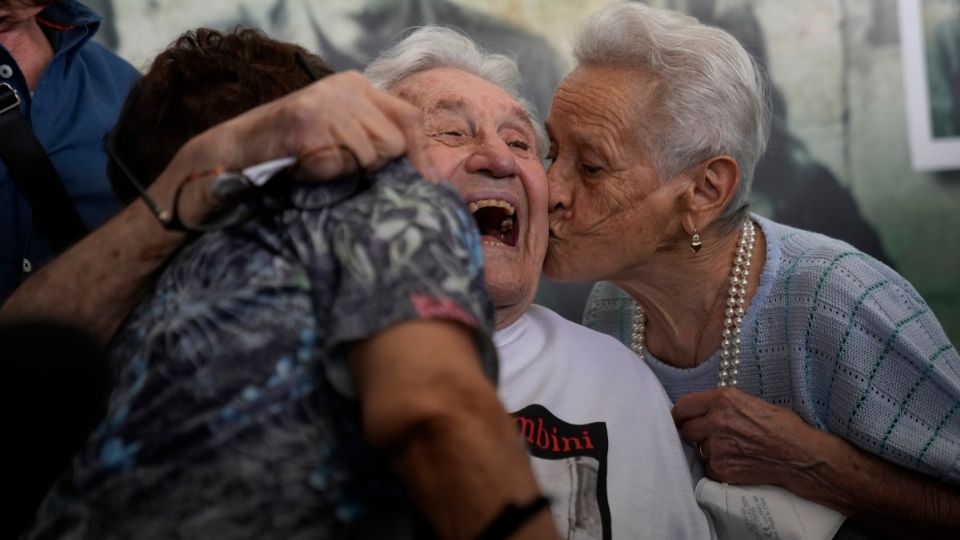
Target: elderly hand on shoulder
332,126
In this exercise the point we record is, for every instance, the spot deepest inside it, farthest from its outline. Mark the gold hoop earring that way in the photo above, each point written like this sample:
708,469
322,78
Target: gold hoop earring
695,243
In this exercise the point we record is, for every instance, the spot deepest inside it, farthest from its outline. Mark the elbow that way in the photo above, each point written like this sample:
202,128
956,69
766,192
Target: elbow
395,424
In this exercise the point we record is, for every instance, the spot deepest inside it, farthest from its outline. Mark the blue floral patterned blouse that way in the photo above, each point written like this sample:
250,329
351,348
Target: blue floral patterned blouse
232,416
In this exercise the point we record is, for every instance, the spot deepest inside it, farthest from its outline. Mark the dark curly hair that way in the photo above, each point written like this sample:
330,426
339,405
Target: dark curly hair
204,78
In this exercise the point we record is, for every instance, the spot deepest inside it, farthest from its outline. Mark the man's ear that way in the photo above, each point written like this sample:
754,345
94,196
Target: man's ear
713,182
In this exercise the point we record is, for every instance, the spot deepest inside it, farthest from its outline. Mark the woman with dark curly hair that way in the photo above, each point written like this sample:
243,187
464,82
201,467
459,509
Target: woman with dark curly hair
320,370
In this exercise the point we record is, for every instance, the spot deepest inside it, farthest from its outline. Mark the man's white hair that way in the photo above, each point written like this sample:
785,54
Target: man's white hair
711,99
431,47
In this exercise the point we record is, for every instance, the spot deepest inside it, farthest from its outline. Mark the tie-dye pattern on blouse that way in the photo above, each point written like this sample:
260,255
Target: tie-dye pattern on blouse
233,416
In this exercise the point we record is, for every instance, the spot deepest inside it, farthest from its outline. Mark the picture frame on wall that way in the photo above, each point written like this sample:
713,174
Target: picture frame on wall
930,49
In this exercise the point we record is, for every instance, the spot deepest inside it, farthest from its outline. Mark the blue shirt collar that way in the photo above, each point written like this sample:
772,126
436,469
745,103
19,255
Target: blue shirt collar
68,24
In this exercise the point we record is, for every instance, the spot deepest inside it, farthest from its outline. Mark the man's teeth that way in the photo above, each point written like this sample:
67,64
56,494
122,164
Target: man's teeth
506,225
484,203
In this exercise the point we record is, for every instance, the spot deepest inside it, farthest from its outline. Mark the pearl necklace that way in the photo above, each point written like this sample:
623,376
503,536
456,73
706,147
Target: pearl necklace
733,314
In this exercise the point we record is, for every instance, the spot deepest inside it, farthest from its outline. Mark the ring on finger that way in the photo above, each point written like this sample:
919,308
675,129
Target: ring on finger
700,451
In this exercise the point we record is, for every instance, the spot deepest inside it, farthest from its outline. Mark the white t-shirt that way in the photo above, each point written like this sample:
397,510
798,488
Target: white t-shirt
597,424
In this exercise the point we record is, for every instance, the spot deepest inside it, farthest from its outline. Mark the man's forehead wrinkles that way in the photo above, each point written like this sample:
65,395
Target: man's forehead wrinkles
514,113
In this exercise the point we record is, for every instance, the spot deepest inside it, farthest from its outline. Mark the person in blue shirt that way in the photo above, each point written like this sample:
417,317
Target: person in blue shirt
70,91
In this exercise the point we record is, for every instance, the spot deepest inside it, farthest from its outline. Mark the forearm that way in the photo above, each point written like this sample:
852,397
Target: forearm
96,283
431,413
467,452
888,499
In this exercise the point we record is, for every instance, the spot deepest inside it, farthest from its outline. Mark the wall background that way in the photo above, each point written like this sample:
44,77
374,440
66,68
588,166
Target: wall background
839,158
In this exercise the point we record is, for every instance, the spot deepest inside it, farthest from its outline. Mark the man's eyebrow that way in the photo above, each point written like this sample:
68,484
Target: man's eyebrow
455,105
518,113
458,105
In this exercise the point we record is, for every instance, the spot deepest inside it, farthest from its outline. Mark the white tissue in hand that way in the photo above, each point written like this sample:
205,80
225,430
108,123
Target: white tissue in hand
765,513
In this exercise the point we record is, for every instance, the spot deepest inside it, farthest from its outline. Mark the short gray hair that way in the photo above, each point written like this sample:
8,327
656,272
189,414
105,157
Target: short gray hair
432,47
712,97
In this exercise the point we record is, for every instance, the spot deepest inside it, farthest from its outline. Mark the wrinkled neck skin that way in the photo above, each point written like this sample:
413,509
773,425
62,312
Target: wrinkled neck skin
22,37
681,295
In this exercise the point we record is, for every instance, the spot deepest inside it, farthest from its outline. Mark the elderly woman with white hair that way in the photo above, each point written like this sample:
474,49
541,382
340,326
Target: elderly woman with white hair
793,359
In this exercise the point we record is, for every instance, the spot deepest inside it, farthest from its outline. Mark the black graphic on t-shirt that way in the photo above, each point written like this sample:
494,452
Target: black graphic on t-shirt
571,466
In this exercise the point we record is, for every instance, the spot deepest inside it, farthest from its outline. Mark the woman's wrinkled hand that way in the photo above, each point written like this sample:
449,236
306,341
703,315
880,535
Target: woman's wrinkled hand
745,440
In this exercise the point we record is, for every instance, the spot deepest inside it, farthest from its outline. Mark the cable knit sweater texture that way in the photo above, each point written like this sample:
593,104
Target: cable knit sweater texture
841,339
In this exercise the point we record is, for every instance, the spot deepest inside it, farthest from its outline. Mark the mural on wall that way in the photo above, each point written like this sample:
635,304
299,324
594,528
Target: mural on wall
791,186
834,165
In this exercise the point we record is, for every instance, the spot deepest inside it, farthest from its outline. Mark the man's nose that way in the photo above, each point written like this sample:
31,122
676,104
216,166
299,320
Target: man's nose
492,157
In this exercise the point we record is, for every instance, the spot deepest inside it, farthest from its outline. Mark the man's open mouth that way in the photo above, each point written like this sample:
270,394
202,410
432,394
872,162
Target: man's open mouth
496,220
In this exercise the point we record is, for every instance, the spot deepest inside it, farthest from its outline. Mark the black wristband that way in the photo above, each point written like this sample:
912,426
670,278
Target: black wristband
511,518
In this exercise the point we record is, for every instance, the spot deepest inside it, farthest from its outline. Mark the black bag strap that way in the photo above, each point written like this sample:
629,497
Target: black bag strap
34,175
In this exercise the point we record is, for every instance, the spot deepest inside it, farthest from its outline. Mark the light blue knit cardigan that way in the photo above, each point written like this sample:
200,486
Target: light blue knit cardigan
841,339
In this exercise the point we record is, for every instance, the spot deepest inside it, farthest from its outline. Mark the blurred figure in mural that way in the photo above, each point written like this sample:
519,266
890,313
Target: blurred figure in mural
351,34
791,186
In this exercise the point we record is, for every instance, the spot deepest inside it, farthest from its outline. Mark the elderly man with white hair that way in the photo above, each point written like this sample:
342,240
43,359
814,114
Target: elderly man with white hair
595,419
